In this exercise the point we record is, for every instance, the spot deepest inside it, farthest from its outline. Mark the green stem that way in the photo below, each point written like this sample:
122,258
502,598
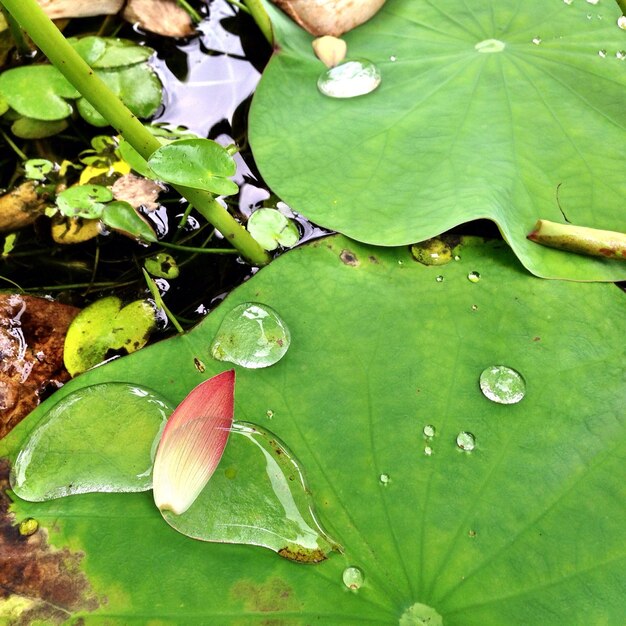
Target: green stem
16,32
47,37
195,16
241,7
175,246
13,146
159,301
262,19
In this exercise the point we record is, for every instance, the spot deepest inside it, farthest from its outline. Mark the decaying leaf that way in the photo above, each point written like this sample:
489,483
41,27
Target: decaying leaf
137,191
329,17
37,584
57,9
69,230
163,17
32,334
21,206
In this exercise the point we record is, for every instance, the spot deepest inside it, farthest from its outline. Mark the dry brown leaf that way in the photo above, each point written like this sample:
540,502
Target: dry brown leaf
32,335
137,191
329,17
21,206
56,9
163,17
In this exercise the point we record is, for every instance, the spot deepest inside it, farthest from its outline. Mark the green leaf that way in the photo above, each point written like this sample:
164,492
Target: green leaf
29,128
137,86
459,129
271,229
525,529
38,169
103,326
4,105
162,265
83,201
122,217
101,438
38,91
110,52
198,163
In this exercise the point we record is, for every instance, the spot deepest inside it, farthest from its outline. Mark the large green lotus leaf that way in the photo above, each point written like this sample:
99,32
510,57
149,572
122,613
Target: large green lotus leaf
528,528
454,134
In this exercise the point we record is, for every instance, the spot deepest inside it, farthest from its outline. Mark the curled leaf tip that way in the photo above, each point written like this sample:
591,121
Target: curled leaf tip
193,442
580,239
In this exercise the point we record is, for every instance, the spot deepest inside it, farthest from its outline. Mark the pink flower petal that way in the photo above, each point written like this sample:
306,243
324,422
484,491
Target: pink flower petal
193,442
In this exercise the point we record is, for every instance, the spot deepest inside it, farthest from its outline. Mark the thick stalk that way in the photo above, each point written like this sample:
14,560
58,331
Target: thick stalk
51,42
262,19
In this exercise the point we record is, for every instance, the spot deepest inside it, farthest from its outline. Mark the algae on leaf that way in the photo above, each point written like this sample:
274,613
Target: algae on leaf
484,109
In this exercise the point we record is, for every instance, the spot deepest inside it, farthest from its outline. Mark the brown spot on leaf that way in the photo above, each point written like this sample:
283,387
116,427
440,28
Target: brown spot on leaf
536,338
32,334
50,580
373,259
349,258
272,596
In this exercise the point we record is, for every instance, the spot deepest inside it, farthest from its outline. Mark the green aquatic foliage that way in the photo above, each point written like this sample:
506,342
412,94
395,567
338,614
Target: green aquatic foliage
484,109
272,229
106,326
447,504
83,201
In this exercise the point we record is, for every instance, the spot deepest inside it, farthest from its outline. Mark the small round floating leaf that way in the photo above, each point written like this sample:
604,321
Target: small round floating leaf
83,201
137,86
252,335
271,229
198,163
110,52
29,128
99,438
37,169
103,326
162,265
38,91
123,218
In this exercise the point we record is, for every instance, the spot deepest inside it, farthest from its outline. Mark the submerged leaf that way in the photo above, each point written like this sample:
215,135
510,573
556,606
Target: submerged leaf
77,446
193,443
258,497
121,216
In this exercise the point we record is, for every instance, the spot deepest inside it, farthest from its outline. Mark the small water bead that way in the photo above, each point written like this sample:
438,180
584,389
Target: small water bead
620,55
353,578
474,307
439,279
602,54
489,46
536,40
502,384
393,58
420,615
621,22
568,2
252,335
428,451
466,441
457,257
473,277
593,1
429,430
384,479
270,414
350,78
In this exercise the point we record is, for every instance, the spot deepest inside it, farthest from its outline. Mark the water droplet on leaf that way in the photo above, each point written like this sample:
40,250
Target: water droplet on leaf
490,45
252,335
420,615
350,78
439,279
384,479
428,451
502,384
429,430
353,578
536,40
466,441
593,1
473,277
602,54
620,55
621,22
568,2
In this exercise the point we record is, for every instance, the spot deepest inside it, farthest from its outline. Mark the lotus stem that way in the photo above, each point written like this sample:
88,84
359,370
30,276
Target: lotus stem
580,239
262,19
62,55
